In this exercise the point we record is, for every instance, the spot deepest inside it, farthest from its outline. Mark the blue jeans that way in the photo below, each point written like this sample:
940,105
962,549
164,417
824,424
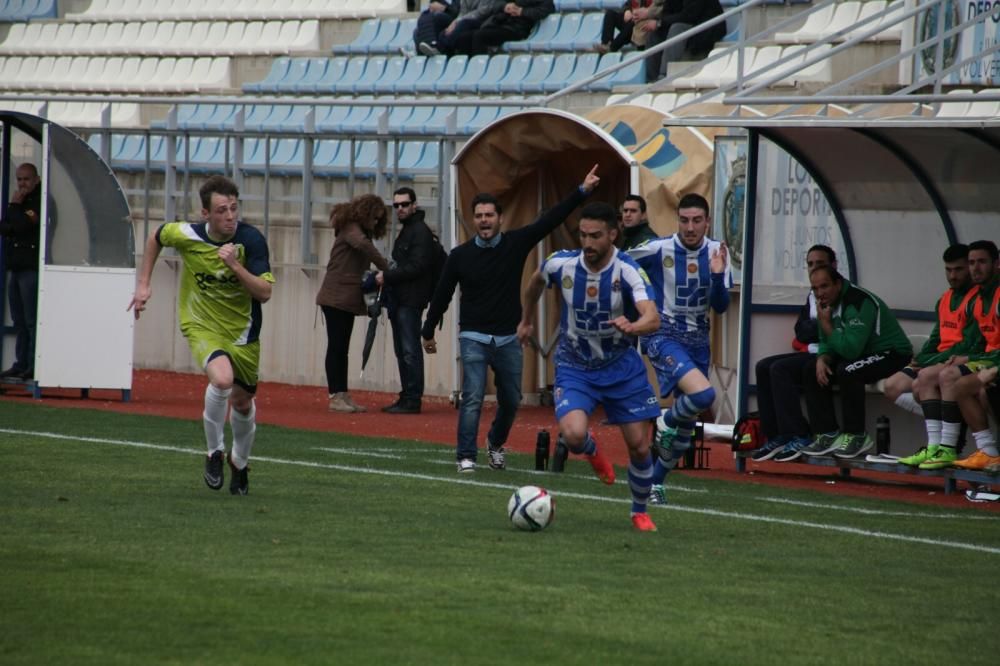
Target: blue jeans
23,294
405,322
506,362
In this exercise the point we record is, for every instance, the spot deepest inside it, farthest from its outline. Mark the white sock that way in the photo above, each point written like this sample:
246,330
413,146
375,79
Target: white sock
214,416
906,401
933,431
986,443
949,433
244,427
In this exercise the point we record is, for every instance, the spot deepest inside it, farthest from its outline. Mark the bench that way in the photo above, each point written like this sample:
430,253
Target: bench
950,476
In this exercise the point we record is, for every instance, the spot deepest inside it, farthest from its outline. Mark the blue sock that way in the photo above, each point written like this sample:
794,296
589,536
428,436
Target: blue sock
588,448
640,475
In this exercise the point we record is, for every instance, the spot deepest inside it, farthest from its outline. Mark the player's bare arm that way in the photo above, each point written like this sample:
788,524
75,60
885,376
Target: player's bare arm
648,321
259,288
143,290
529,300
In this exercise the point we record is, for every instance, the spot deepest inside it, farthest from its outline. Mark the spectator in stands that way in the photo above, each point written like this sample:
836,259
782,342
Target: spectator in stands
410,286
630,30
955,394
672,18
635,224
509,22
488,268
780,378
21,230
442,22
691,276
225,281
955,333
355,224
607,301
860,342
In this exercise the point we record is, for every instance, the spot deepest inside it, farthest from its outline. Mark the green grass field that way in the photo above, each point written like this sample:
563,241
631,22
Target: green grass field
372,551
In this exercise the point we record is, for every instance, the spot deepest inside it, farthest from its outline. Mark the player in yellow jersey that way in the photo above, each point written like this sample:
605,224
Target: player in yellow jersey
226,278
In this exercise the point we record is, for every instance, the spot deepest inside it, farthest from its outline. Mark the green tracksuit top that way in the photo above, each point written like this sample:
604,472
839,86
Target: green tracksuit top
862,325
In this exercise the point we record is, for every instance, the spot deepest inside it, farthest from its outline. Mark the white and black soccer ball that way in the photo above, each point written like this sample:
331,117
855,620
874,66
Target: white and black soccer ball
531,508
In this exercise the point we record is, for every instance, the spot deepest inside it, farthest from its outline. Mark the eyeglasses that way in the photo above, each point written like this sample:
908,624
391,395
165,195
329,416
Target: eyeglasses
401,204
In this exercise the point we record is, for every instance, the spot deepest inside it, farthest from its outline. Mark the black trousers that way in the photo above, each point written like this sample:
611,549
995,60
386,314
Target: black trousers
614,19
779,387
850,376
339,324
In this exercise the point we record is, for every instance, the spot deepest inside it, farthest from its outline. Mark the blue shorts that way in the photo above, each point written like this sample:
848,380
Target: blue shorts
621,387
672,360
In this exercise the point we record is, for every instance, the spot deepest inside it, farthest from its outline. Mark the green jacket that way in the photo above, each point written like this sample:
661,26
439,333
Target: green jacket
972,340
862,325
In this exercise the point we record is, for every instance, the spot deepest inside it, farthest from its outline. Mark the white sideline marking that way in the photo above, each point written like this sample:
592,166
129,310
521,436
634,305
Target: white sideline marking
504,486
876,512
358,452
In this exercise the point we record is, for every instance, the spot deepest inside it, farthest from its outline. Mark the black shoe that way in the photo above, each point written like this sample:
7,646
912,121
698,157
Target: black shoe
402,407
239,484
11,373
213,471
27,375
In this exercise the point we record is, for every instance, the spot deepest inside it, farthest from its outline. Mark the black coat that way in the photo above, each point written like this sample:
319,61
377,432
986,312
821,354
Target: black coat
694,12
21,234
411,279
518,27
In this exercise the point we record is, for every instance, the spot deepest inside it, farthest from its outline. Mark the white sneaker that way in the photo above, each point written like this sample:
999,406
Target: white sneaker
496,456
466,465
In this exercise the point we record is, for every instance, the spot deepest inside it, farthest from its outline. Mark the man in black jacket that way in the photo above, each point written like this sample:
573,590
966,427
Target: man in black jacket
673,18
21,231
636,225
409,290
509,22
488,268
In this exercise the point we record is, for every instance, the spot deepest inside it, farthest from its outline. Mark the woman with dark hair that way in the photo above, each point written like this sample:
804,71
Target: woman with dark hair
356,224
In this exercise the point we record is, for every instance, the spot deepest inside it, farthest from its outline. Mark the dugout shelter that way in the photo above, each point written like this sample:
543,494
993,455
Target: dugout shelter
84,335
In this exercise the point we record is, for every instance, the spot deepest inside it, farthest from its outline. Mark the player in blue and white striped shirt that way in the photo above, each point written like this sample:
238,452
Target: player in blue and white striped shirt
690,274
605,304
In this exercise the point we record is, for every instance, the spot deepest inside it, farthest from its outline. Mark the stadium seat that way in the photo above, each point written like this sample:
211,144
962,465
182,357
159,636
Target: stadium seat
335,68
539,39
565,38
353,71
328,117
494,74
586,65
279,68
562,72
634,74
590,32
516,69
445,82
954,109
388,27
394,68
821,23
404,37
818,72
296,71
416,69
474,70
716,70
541,70
374,66
315,73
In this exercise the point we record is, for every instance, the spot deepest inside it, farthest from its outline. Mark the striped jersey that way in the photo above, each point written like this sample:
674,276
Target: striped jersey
682,286
211,298
590,302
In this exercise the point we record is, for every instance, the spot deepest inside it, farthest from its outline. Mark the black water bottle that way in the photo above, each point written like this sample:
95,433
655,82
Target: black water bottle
542,451
882,437
559,459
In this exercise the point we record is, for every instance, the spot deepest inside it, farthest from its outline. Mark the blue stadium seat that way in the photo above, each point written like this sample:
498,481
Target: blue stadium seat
412,122
539,39
445,82
404,37
590,32
335,68
315,72
325,152
222,117
469,81
369,29
518,69
561,74
494,74
366,81
388,29
541,70
393,70
586,65
565,39
358,119
415,72
207,154
353,72
286,156
296,71
279,68
330,117
633,75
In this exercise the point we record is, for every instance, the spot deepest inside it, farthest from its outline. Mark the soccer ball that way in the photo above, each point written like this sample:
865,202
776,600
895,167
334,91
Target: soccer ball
531,508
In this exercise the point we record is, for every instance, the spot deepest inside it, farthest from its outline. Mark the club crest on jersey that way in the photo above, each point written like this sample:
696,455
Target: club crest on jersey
591,291
616,285
692,268
668,262
567,282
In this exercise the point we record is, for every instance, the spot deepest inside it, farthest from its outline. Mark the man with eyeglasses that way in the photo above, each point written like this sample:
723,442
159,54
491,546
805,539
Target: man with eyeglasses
409,285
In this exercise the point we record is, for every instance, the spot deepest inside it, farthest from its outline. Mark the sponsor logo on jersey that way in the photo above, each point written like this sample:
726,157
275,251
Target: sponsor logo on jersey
206,281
